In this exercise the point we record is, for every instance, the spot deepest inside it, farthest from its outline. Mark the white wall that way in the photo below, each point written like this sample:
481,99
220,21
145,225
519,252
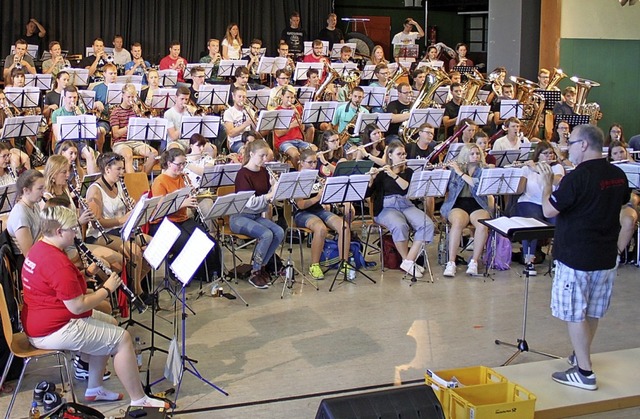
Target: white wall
599,19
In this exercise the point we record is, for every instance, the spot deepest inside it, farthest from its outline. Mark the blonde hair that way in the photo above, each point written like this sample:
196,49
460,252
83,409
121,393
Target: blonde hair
252,147
55,164
465,152
54,217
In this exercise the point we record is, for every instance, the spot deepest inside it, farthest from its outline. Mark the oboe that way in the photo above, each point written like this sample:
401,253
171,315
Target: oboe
85,207
86,253
129,204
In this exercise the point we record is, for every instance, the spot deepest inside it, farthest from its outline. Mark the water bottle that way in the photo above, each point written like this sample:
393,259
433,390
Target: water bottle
351,272
34,413
214,287
138,350
289,272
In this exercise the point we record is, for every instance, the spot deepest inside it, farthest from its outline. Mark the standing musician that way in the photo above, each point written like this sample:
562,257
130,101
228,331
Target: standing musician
23,224
95,64
70,108
461,59
214,57
294,35
347,113
254,177
292,140
57,62
311,214
138,66
107,201
238,119
254,60
463,205
407,36
232,43
174,61
629,212
19,59
530,202
58,314
452,107
119,121
513,138
400,109
331,33
392,209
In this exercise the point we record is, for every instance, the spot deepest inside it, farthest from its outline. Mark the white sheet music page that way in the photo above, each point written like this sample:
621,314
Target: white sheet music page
507,224
161,243
191,256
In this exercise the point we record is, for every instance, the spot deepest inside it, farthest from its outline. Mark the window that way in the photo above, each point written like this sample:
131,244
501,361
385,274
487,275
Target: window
476,32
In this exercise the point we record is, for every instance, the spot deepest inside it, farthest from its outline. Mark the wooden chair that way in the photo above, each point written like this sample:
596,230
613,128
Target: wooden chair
137,184
291,229
368,224
19,346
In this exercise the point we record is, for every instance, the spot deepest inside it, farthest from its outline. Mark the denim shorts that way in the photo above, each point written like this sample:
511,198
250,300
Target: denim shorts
300,144
303,217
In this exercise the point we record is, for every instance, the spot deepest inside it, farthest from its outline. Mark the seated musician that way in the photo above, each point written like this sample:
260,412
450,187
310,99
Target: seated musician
629,212
19,159
468,132
254,177
530,202
57,62
70,108
381,73
102,103
112,208
283,52
170,180
432,54
371,146
482,140
463,205
59,315
53,98
119,121
19,60
419,77
95,63
174,115
567,104
291,141
282,79
313,78
460,60
615,134
311,214
7,173
241,76
214,56
344,118
253,58
317,53
425,143
513,138
238,119
23,224
346,54
377,56
147,92
138,66
330,154
400,109
452,107
393,209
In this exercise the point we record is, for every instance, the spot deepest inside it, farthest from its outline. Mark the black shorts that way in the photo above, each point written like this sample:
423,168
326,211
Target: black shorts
469,205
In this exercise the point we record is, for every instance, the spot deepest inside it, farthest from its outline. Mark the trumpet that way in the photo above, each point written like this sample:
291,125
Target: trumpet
86,253
77,110
85,207
140,108
320,181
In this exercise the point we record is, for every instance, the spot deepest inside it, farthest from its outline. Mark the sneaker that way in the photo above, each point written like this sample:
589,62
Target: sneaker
450,269
315,271
100,394
41,388
572,360
257,280
410,267
573,377
530,269
82,370
419,267
472,269
147,401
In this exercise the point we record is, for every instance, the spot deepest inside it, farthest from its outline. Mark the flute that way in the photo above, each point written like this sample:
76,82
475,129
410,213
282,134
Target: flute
85,252
353,150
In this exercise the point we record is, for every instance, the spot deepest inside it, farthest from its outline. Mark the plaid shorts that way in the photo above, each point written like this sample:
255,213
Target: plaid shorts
576,295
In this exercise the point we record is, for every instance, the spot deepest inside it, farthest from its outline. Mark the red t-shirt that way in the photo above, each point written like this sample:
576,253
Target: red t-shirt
48,279
294,133
166,63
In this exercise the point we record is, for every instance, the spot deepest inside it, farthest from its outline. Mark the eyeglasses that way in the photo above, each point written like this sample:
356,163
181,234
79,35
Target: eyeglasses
112,159
183,164
427,132
309,161
570,143
74,229
406,93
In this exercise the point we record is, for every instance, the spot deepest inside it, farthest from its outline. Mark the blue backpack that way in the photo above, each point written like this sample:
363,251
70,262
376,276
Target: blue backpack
330,256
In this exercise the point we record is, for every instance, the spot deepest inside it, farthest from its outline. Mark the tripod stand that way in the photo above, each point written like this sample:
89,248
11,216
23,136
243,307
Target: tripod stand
517,234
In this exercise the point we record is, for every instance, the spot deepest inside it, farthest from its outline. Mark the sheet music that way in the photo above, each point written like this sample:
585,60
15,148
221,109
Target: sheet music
194,252
505,225
161,243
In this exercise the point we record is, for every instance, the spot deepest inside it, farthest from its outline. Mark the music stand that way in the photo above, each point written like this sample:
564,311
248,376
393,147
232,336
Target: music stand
132,79
551,97
223,206
433,116
304,94
478,114
300,72
344,68
427,184
87,180
336,49
272,120
219,175
316,112
308,48
114,93
168,78
267,65
227,68
505,157
404,52
278,167
353,167
21,126
87,98
210,95
367,72
207,67
339,190
464,69
510,108
292,186
573,120
147,129
453,152
526,229
163,98
432,64
259,98
23,97
7,197
441,95
78,76
373,96
78,128
632,171
207,126
381,120
39,81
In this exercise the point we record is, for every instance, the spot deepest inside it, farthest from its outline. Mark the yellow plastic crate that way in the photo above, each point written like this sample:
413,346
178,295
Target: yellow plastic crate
502,400
441,381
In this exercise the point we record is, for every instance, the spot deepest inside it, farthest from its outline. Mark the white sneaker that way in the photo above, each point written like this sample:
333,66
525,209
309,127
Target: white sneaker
409,267
419,267
450,269
472,268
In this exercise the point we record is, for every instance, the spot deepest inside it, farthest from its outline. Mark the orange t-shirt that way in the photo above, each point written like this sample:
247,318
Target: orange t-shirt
165,184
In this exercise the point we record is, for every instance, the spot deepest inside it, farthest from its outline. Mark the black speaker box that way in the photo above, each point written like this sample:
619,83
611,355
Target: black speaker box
417,402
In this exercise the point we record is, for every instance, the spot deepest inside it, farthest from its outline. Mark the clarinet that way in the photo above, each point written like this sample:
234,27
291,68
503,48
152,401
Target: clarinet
85,207
128,203
194,193
76,177
86,253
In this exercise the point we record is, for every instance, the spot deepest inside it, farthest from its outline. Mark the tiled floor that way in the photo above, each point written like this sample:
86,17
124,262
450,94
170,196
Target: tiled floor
278,357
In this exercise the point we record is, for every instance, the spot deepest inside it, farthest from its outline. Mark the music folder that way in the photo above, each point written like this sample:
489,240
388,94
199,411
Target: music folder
514,228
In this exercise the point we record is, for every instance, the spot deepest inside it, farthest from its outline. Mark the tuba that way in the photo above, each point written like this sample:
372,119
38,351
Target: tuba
332,75
558,75
474,83
583,86
533,105
435,78
351,80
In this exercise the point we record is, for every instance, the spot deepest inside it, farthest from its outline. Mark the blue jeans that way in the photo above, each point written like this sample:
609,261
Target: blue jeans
529,209
268,233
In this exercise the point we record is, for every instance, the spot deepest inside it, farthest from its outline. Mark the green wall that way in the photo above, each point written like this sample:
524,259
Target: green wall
614,64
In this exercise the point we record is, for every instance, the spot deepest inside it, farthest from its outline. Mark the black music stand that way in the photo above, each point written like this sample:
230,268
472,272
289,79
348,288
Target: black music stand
518,229
163,98
39,81
338,190
272,120
505,157
551,97
23,97
477,113
147,129
259,98
87,98
367,73
352,167
304,94
219,175
227,205
168,78
300,73
572,119
227,68
441,94
464,69
292,186
316,112
433,116
427,184
7,197
20,126
373,96
87,180
381,120
511,108
453,152
206,125
114,93
210,95
78,76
